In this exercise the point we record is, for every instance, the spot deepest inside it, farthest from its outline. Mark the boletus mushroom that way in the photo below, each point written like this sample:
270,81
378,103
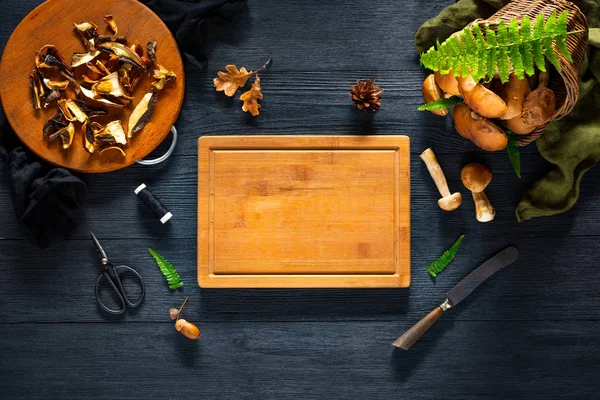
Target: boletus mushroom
481,131
538,109
480,99
476,177
448,202
513,93
447,82
432,92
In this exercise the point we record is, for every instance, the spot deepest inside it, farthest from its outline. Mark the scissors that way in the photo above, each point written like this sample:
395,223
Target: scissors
111,274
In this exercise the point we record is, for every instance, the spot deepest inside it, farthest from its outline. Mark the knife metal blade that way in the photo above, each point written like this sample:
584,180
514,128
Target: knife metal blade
480,274
458,294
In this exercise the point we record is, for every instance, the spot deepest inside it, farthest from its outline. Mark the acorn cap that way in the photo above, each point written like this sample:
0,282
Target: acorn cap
476,177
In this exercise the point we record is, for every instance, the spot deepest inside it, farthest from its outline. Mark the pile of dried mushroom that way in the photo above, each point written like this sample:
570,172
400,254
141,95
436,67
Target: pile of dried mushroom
103,77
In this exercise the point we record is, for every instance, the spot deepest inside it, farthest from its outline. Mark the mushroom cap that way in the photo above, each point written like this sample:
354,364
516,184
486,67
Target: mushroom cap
487,135
451,202
539,106
461,115
476,177
483,132
519,127
485,102
432,92
447,82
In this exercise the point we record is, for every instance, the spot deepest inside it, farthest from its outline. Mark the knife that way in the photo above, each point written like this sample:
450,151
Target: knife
458,294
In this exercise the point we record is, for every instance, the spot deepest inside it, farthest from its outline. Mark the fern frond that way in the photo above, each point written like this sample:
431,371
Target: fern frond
441,104
168,270
482,51
438,265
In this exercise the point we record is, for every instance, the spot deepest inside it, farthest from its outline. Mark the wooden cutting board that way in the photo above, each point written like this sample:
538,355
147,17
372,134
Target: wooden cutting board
303,211
52,23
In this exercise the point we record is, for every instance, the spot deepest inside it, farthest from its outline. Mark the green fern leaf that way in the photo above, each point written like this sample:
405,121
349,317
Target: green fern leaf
482,52
538,27
513,31
438,265
441,104
517,61
550,24
167,269
550,54
503,65
502,34
479,38
538,55
561,46
513,152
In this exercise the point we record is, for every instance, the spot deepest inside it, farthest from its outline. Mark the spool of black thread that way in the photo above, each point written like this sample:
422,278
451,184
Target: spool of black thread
153,203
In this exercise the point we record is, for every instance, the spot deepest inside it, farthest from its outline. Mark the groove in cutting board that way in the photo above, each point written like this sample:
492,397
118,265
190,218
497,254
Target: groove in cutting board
303,211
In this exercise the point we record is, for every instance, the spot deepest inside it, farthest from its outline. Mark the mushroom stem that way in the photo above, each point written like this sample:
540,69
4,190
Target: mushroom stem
483,208
448,202
433,166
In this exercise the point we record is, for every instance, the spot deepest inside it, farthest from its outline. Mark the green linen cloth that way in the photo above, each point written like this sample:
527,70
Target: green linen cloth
571,144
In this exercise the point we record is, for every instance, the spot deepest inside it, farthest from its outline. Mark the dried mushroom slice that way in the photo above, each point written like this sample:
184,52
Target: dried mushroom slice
141,113
112,148
102,100
164,77
48,58
110,21
65,134
110,38
110,85
88,33
124,53
54,124
88,138
55,85
102,68
79,59
72,111
50,97
112,133
37,89
151,50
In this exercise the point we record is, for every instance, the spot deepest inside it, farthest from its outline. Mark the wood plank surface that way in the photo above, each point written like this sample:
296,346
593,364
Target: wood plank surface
529,332
303,211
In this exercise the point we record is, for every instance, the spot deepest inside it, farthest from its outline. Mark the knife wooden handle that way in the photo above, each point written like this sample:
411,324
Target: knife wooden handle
411,336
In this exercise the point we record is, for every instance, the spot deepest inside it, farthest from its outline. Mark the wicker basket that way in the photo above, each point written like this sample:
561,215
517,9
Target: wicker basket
564,83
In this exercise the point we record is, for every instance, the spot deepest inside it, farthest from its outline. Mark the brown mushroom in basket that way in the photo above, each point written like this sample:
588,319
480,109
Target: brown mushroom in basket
513,93
432,92
480,99
447,82
448,202
481,131
538,108
476,178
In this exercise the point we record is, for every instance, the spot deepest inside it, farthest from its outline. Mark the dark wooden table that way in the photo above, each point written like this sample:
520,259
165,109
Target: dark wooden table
530,332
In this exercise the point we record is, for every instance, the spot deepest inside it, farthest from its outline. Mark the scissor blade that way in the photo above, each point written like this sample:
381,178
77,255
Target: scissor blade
479,275
99,248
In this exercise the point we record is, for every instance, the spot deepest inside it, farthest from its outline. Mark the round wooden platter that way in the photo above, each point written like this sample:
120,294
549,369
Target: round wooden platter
52,23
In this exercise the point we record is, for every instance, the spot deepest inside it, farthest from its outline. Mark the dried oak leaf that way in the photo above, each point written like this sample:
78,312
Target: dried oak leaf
251,97
230,81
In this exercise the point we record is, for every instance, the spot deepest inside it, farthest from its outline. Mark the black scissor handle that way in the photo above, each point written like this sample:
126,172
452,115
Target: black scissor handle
117,286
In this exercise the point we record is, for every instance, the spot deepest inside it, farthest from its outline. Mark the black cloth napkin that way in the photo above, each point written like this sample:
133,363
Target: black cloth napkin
188,20
47,199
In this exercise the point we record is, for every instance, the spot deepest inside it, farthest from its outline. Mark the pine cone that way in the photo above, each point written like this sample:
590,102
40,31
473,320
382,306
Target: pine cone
366,96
